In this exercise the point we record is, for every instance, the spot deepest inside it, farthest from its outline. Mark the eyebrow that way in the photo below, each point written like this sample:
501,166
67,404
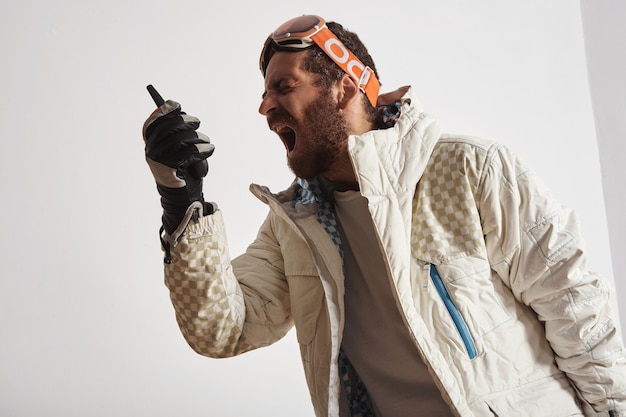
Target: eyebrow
276,84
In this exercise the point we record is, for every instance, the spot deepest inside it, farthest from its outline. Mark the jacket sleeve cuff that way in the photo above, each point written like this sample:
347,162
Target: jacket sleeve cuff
190,219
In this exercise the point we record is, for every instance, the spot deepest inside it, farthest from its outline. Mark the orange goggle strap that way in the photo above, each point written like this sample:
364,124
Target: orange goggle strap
347,61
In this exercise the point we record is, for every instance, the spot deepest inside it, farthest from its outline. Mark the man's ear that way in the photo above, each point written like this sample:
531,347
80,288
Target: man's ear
347,91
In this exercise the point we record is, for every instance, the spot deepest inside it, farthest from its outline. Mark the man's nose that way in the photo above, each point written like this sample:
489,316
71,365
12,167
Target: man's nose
267,104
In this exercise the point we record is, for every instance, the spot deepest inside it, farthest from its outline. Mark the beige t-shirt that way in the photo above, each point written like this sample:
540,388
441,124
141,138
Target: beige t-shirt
375,338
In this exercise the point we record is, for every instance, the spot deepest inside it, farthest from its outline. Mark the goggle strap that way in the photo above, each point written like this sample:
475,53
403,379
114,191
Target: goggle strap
370,85
347,61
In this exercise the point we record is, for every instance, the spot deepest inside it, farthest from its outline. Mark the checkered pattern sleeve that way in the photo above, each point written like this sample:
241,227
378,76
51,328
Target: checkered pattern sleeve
207,300
224,310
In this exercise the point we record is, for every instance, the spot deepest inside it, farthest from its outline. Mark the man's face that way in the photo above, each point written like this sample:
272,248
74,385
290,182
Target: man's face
305,116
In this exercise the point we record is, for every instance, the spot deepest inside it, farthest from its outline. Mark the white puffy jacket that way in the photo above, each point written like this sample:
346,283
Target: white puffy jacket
488,269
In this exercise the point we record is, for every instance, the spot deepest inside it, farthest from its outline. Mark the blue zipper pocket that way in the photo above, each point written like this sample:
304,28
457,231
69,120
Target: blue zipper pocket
460,324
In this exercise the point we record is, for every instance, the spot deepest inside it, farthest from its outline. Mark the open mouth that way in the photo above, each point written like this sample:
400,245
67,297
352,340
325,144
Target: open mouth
288,136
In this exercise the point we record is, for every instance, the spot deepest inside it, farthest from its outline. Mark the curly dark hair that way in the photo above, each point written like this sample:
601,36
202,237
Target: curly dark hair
317,62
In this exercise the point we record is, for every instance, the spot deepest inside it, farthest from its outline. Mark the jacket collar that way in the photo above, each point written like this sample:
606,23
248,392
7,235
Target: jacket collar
389,160
385,160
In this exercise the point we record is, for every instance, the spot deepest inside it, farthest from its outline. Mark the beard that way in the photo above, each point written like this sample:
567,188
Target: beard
321,137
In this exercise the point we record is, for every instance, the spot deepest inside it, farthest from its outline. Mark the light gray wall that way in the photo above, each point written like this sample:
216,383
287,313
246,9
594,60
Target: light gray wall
87,328
605,41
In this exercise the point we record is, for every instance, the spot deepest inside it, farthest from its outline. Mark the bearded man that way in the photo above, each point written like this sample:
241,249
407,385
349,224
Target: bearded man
425,274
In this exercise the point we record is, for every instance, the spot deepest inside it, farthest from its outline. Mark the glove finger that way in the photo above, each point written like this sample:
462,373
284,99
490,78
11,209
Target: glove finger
193,151
172,152
159,145
166,126
181,149
205,147
166,108
199,140
201,152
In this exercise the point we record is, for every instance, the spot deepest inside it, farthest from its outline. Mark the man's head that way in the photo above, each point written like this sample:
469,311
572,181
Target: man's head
311,102
332,52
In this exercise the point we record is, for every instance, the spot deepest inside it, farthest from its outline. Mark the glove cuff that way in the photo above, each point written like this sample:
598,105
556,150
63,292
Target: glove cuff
171,231
176,203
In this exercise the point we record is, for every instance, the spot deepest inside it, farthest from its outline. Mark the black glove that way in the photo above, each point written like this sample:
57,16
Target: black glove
176,154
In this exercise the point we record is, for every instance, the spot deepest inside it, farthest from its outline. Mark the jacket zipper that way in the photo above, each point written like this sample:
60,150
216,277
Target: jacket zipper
458,320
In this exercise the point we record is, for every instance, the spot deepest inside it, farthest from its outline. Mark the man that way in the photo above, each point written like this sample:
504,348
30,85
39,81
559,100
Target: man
426,275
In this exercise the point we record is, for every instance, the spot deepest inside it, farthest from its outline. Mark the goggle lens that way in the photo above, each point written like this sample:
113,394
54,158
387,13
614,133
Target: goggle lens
298,27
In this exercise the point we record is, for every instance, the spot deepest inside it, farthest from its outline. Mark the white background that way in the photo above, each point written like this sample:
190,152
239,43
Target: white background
86,326
605,41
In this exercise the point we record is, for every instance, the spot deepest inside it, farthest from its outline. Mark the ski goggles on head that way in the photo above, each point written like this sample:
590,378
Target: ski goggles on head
305,31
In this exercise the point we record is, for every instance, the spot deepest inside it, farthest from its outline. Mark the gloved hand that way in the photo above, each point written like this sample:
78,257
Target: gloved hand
176,154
